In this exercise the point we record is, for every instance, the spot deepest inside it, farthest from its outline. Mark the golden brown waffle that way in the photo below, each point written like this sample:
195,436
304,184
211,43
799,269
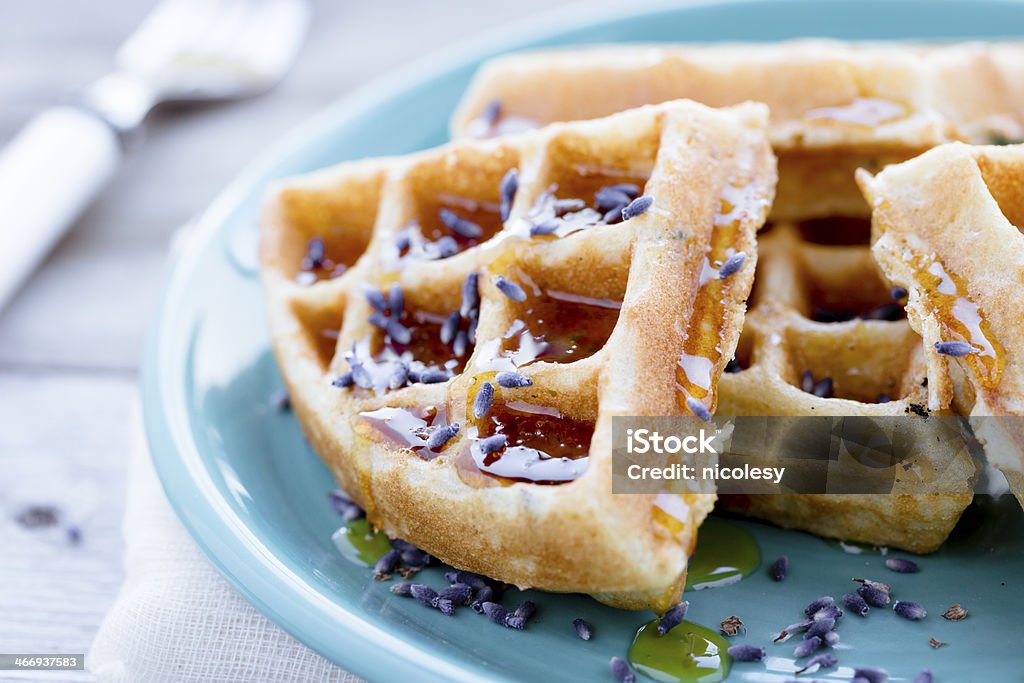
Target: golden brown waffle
594,322
835,107
946,226
824,337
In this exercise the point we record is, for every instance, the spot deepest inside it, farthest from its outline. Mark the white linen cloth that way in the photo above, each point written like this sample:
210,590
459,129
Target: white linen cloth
177,620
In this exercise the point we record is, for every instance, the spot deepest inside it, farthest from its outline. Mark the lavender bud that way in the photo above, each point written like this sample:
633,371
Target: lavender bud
398,332
442,435
856,604
779,568
450,327
924,677
637,207
546,227
507,189
396,300
483,595
871,674
909,610
375,298
460,344
819,628
747,653
444,605
732,265
818,604
495,612
492,444
526,609
807,382
807,647
698,408
423,593
414,557
512,621
433,376
902,565
484,400
474,581
402,588
828,612
470,295
584,630
822,661
386,565
460,226
513,380
622,671
510,289
873,596
343,381
458,593
673,617
832,638
956,349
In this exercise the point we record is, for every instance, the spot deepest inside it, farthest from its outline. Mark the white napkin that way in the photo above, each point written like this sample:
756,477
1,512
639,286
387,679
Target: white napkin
176,619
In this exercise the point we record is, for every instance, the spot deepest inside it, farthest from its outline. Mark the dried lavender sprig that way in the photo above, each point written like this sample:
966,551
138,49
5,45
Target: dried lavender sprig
807,647
387,564
856,604
507,188
470,294
902,565
492,444
513,380
873,596
779,569
484,400
818,604
747,653
956,349
824,661
510,289
583,630
871,674
622,671
909,610
673,617
460,226
637,207
732,265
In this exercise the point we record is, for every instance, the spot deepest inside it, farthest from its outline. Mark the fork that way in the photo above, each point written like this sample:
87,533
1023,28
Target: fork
184,51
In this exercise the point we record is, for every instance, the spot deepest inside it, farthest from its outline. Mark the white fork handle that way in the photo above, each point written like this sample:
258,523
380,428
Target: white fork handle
49,172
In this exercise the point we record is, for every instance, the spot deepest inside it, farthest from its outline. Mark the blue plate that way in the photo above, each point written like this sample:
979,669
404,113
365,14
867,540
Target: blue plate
251,492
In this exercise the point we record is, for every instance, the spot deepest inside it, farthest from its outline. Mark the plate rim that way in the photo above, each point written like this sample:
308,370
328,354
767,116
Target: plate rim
175,454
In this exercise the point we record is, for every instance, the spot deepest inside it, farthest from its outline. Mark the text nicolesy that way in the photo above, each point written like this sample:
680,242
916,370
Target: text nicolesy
642,441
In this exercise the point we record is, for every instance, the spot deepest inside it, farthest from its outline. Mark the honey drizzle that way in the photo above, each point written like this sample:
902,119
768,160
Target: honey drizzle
862,111
702,358
406,428
960,318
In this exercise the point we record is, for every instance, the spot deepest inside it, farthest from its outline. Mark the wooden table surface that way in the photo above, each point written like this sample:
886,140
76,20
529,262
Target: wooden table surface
70,341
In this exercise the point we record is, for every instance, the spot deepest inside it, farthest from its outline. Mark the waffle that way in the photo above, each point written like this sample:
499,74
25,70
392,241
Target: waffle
824,337
540,327
835,107
946,226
